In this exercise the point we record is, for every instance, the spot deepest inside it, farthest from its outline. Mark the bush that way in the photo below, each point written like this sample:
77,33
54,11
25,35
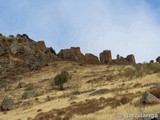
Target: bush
60,79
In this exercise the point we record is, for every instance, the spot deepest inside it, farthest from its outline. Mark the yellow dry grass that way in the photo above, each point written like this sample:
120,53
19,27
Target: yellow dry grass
79,82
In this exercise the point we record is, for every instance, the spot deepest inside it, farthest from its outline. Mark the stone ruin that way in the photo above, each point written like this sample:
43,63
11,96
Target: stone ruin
91,59
74,54
20,54
106,56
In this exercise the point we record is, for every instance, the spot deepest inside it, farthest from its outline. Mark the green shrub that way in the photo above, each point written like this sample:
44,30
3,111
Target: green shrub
60,79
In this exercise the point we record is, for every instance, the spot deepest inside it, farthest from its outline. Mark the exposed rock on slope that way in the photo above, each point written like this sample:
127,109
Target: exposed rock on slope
21,54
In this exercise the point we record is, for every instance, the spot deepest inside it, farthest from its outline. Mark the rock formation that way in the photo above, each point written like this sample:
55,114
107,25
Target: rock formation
73,54
20,54
106,56
91,59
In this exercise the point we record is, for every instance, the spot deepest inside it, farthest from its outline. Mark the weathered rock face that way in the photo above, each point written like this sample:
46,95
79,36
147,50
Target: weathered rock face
91,59
20,54
73,54
106,56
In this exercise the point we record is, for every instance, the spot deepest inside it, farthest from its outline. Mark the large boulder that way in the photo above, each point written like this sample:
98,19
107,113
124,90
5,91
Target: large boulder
106,56
91,59
7,104
149,98
73,54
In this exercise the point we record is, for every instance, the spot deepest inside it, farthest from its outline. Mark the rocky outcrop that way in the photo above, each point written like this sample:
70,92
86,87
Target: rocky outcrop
91,59
21,54
72,54
106,56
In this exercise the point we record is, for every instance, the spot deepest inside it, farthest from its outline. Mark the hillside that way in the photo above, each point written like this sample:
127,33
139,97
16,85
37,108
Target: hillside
94,91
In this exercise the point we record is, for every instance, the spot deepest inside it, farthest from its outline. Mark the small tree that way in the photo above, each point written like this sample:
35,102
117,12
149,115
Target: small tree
60,79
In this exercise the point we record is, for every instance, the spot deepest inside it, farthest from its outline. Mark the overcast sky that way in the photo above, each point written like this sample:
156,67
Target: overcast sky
122,26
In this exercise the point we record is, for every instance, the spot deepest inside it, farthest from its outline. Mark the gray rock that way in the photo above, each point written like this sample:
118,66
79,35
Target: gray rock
149,98
7,104
21,85
28,94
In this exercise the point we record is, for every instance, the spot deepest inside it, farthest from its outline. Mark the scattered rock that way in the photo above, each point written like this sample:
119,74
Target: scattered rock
100,92
28,94
7,104
148,98
21,85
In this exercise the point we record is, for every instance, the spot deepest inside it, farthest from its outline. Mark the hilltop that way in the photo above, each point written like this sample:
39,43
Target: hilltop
98,88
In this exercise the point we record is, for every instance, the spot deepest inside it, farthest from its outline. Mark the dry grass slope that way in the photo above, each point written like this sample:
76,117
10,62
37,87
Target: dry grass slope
118,89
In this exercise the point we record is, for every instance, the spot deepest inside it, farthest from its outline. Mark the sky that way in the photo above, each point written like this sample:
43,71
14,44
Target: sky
122,26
